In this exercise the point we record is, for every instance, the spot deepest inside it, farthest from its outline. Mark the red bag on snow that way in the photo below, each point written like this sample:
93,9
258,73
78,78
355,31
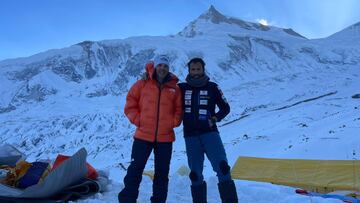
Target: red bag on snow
91,174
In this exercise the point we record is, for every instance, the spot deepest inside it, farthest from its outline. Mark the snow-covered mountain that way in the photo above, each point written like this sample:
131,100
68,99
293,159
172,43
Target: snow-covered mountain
290,96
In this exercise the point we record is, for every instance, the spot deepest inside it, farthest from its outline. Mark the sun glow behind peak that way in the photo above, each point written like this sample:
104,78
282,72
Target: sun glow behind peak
263,22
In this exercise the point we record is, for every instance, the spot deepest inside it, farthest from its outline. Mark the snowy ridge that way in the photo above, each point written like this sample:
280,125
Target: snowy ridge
290,97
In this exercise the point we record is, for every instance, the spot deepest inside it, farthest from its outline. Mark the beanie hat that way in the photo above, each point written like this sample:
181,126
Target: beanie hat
161,59
196,60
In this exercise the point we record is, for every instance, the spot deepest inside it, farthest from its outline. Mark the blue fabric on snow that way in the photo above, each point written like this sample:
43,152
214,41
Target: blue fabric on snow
333,196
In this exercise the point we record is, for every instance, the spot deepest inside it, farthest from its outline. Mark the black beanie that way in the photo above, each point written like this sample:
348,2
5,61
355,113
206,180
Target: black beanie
196,60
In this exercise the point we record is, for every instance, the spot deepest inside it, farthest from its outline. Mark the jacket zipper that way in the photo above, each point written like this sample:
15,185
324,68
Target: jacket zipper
196,113
158,112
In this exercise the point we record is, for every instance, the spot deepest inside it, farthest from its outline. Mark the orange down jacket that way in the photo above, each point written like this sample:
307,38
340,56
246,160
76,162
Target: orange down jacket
153,108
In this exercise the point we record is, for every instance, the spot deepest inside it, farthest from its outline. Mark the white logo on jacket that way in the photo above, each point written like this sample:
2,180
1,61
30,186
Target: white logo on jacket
203,102
222,94
202,111
188,92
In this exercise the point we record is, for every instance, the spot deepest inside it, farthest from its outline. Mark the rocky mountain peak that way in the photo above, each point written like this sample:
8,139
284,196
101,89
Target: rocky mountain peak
213,15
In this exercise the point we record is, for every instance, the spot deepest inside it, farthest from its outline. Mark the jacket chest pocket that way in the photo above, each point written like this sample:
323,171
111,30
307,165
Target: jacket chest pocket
168,96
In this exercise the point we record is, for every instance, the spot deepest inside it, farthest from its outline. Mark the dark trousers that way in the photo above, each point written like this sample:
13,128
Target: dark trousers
140,153
208,144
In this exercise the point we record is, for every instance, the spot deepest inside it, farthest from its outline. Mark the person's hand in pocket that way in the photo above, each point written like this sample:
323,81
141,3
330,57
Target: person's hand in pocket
212,121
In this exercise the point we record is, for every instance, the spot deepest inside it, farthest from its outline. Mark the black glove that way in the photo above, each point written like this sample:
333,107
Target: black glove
212,121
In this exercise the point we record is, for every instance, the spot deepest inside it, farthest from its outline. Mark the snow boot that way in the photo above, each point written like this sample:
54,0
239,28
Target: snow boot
157,200
198,193
227,192
124,199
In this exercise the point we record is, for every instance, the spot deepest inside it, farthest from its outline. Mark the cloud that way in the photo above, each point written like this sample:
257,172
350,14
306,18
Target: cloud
262,21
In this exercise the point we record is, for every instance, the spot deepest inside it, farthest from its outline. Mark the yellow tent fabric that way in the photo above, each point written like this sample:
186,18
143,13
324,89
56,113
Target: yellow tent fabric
149,173
182,171
312,175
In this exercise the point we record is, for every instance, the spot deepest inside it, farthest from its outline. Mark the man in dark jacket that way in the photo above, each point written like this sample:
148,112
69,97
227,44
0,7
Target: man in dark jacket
200,96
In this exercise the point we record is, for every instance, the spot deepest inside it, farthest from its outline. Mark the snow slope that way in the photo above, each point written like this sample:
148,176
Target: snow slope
290,97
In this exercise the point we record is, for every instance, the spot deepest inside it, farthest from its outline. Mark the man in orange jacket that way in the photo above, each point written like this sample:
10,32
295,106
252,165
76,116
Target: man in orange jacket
154,106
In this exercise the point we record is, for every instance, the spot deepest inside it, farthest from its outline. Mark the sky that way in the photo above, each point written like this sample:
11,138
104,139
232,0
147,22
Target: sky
28,27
